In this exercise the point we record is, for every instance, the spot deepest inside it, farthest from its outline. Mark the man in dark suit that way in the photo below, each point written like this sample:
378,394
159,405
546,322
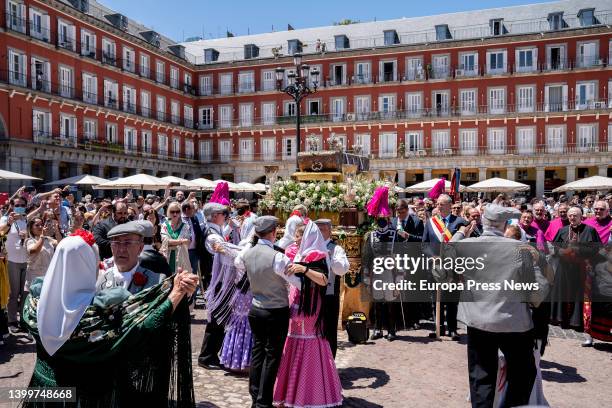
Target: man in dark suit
101,229
438,229
150,258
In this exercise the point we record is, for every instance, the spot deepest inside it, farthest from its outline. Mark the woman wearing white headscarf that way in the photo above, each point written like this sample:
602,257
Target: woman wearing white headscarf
83,337
307,376
291,225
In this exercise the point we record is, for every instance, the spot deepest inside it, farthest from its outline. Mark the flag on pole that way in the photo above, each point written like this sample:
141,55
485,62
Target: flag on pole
455,183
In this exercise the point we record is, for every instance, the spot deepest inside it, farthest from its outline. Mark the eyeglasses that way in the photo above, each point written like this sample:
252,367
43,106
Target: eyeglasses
175,212
456,208
599,209
120,244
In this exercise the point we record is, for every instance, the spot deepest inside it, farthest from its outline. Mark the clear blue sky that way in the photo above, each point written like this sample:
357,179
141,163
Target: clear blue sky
180,19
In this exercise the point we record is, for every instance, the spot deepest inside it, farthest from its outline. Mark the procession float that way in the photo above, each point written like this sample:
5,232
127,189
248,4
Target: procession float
336,185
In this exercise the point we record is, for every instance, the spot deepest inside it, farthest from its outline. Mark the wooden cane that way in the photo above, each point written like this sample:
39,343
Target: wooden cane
438,296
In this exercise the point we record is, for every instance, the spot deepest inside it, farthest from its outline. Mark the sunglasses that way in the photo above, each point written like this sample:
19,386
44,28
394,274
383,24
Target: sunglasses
175,212
19,206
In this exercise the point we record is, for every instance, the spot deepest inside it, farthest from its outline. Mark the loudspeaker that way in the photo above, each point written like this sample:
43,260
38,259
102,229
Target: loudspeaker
357,328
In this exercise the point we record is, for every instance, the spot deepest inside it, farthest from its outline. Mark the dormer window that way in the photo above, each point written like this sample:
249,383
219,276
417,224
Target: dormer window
555,20
587,17
497,26
251,51
342,42
211,55
118,20
442,32
294,46
152,37
391,37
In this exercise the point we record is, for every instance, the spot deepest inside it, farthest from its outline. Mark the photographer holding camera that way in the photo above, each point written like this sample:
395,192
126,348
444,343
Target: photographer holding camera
14,225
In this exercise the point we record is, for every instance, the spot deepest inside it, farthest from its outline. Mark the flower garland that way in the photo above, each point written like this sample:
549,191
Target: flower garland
86,235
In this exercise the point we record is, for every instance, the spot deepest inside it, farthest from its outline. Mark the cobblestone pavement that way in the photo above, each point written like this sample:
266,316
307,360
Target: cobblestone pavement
413,371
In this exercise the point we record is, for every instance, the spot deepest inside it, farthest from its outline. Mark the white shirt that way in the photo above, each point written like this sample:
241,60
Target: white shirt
124,278
280,265
187,220
15,247
338,265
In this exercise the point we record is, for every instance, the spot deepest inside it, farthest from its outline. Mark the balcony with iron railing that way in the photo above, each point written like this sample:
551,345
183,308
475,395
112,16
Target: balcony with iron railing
66,42
39,32
89,52
65,91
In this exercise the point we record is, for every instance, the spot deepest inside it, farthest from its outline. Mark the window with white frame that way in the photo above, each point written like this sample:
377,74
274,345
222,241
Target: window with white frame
246,82
468,141
414,68
146,145
497,100
66,82
440,141
387,145
39,24
467,101
341,141
188,116
289,108
174,77
129,140
311,79
610,92
586,95
160,72
586,140
111,92
225,83
468,64
525,98
587,54
111,133
129,99
160,106
526,59
162,144
189,152
337,107
268,113
440,103
414,104
88,43
610,137
41,125
441,66
206,117
129,59
362,142
362,107
90,129
268,80
414,141
314,147
337,74
525,140
176,147
246,149
288,147
555,98
496,140
246,114
175,112
17,68
41,75
145,65
386,106
16,16
68,126
66,35
108,52
268,149
205,85
362,73
225,150
387,71
225,116
205,151
555,139
188,82
145,103
496,62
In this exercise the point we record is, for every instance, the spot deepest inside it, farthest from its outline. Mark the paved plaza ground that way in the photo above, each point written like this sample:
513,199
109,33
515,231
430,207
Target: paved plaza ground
413,371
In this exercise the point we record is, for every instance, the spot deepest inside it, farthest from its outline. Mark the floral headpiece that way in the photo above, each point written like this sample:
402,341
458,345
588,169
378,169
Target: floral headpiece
86,235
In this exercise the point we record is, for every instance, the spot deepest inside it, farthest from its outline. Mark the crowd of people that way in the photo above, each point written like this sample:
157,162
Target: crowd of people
272,306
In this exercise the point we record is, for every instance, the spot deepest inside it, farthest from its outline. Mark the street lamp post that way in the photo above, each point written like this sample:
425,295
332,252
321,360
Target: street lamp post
297,88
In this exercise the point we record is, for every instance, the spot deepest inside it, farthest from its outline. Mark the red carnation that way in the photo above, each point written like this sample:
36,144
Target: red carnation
86,235
139,279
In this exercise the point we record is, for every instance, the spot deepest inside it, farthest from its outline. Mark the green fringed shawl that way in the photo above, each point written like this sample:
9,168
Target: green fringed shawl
136,353
172,252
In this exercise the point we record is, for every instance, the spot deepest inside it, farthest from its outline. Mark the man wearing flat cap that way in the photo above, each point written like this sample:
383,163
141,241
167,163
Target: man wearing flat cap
150,258
126,243
338,266
498,319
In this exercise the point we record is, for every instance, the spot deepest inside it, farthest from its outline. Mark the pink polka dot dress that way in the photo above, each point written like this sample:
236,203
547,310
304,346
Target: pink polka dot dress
307,376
